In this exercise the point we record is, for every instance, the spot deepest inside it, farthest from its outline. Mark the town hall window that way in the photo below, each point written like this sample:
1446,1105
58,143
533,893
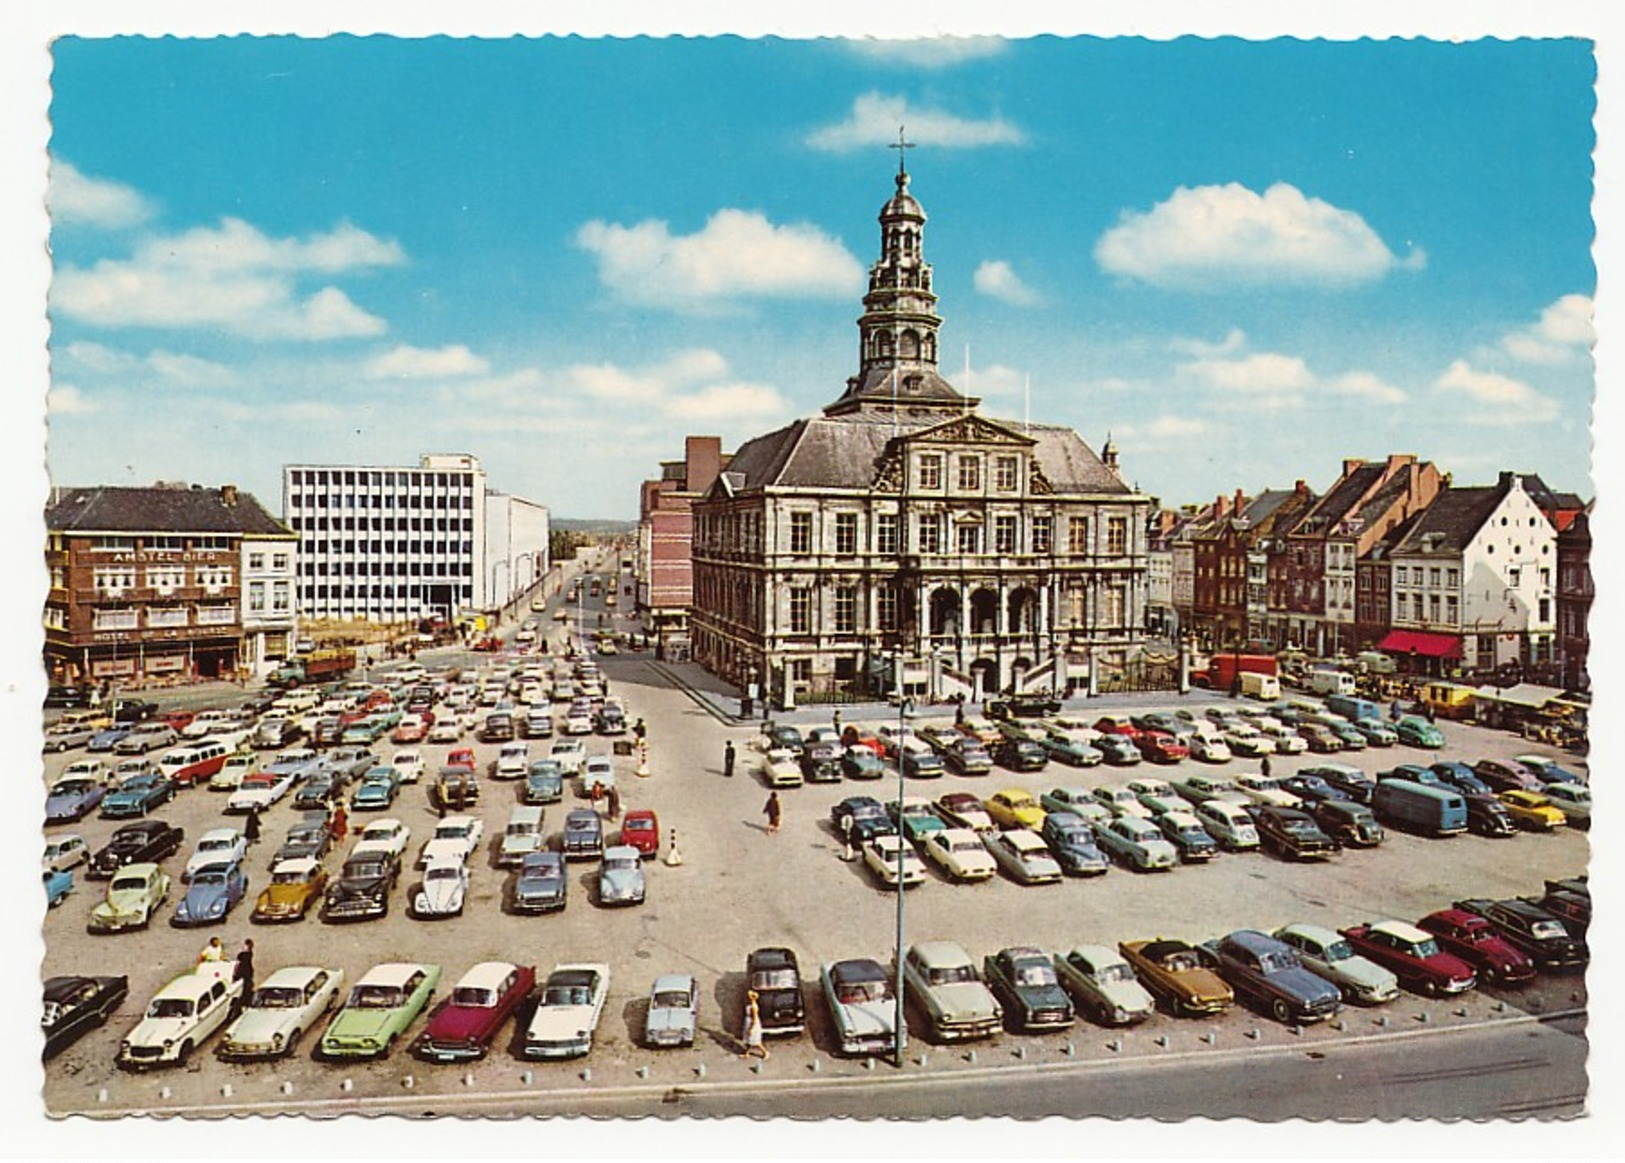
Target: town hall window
1043,534
800,610
930,533
800,532
1116,536
1077,535
970,539
846,610
1005,469
1004,534
930,470
846,533
970,474
886,533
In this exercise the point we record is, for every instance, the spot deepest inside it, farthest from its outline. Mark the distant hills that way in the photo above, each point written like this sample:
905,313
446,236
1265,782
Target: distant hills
595,525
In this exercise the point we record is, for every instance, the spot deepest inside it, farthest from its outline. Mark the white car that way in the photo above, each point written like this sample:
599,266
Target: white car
216,846
280,1010
445,887
91,769
1137,843
408,765
230,775
1573,800
448,728
1264,789
1104,985
880,855
1208,746
456,836
387,835
567,1016
65,852
599,772
1245,739
261,790
181,1016
578,722
210,722
959,852
781,768
1122,800
570,754
512,761
1286,740
1023,855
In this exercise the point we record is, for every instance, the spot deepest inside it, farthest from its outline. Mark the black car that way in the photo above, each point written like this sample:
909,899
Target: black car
1488,816
67,697
1312,789
821,763
782,735
1290,833
133,710
1023,707
1351,781
1195,844
1462,778
859,819
1020,755
75,1005
1534,930
772,973
309,836
1024,981
1268,973
143,842
1348,823
314,794
966,756
1572,908
361,891
583,835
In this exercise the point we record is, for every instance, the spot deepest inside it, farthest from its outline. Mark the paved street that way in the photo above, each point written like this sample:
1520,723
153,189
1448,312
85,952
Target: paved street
738,888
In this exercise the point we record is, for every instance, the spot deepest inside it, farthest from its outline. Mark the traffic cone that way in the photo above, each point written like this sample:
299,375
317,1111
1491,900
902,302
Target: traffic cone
673,857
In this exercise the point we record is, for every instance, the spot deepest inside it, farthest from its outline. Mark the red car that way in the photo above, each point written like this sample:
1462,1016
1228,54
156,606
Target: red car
1161,748
410,731
462,1027
179,720
1413,955
461,757
641,829
854,734
1474,940
1117,725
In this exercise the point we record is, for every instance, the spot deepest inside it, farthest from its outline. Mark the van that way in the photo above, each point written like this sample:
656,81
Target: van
1328,680
1353,708
1416,807
1449,700
1228,823
1260,686
522,836
195,764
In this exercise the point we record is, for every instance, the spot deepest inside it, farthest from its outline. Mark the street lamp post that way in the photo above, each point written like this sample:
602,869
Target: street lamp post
899,1021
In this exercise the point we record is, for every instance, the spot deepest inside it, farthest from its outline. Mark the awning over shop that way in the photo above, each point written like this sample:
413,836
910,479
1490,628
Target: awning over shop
1418,642
1524,694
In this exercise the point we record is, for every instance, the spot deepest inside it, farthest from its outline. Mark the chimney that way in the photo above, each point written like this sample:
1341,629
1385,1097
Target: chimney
1351,463
1301,488
1221,505
702,456
1238,505
228,495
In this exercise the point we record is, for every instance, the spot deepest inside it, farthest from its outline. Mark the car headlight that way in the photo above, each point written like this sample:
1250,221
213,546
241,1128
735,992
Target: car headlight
169,1044
276,1041
124,1046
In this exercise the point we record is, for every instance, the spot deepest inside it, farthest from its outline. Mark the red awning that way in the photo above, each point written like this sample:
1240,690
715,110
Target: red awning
1416,642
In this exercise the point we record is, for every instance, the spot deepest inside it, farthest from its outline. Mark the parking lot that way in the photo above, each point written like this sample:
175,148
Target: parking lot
737,888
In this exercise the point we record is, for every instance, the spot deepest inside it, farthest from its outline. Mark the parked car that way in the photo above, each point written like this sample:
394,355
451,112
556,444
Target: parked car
296,884
388,835
1014,807
544,783
1072,842
64,852
361,891
1022,754
382,1004
859,761
1172,970
780,768
1137,842
73,1005
1507,775
1267,971
862,1006
1228,823
1532,811
566,1018
1025,982
145,841
463,1027
444,889
137,796
1473,939
1070,748
774,974
181,1017
216,846
542,886
1532,929
72,798
1185,832
1414,957
941,979
960,854
1023,856
672,1017
58,884
962,810
821,763
1348,824
583,835
892,861
1418,732
621,879
1573,800
858,819
1264,789
1329,954
1291,834
1103,984
280,1010
1549,771
640,828
214,891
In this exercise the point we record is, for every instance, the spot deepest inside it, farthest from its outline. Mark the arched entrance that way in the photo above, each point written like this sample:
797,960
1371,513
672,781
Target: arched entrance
984,673
984,612
944,612
1023,611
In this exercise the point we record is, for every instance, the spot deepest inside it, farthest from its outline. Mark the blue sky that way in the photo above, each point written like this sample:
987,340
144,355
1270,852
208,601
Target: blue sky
1244,260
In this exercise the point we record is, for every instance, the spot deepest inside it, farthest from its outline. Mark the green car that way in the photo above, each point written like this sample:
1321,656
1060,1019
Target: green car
134,894
1418,732
381,1005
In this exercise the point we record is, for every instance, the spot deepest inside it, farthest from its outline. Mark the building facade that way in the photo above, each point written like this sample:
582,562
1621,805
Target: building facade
150,583
902,539
665,559
515,547
1574,594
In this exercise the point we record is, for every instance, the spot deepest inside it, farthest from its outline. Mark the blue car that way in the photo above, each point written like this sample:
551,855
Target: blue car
1072,841
72,798
137,796
544,783
58,884
377,791
107,738
213,893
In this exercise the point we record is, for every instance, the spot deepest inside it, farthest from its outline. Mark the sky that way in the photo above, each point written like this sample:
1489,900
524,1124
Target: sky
1244,261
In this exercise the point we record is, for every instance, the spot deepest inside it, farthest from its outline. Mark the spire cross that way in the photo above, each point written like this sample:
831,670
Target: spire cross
902,147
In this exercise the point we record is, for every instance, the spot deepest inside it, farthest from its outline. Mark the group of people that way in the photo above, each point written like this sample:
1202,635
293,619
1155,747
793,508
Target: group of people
215,951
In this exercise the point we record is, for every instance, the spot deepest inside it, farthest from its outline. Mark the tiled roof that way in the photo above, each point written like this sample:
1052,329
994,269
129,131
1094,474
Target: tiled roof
1449,523
158,509
1343,496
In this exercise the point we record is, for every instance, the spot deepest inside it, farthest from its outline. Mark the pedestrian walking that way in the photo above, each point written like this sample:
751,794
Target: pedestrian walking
251,826
1264,767
1427,709
245,967
614,798
341,824
837,722
1393,711
597,794
959,714
728,759
752,1028
773,812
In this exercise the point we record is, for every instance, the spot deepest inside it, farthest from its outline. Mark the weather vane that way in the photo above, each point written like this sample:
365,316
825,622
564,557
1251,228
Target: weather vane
902,146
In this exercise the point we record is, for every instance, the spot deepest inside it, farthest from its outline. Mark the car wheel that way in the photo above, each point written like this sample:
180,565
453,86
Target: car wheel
293,1042
1283,1014
185,1053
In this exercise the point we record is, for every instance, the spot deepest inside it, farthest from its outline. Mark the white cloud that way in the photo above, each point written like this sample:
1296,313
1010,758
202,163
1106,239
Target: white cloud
1366,386
189,370
995,277
731,403
1493,399
1211,236
1261,374
1565,331
75,198
1166,429
233,278
126,369
936,52
876,118
1233,342
417,363
994,380
66,398
738,255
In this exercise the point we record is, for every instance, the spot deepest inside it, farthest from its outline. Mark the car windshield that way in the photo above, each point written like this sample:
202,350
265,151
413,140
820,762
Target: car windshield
217,844
671,999
773,979
72,786
210,876
364,868
1110,973
170,1007
636,825
375,997
1547,930
567,995
1035,973
445,872
128,884
475,996
1339,951
949,974
277,998
863,992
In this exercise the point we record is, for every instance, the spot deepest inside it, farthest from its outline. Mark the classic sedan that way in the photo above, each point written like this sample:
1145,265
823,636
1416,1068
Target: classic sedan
279,1011
1311,789
567,1017
1548,770
296,884
137,796
376,791
781,768
62,736
621,879
1067,748
463,1027
1532,811
1072,842
1161,748
147,737
1185,832
1104,985
1573,800
1285,740
1267,971
544,783
382,1004
181,1017
1022,754
882,855
1209,747
74,1005
216,846
1265,789
1136,842
960,809
1023,856
388,835
674,1011
858,819
309,835
1342,777
261,790
1080,801
1416,731
1376,732
1014,808
941,979
640,828
64,852
1024,980
862,1006
1414,957
72,798
361,891
146,841
1537,932
58,884
1158,796
773,972
583,835
915,818
542,886
859,761
1473,939
960,854
214,892
569,754
1348,823
1330,956
1118,750
1173,971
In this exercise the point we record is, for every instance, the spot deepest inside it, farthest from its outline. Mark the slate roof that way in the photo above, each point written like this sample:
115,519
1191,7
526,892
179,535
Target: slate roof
158,509
845,451
1335,505
1454,517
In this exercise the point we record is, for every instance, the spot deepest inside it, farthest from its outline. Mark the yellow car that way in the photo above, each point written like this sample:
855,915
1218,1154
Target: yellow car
1014,808
295,885
1533,811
